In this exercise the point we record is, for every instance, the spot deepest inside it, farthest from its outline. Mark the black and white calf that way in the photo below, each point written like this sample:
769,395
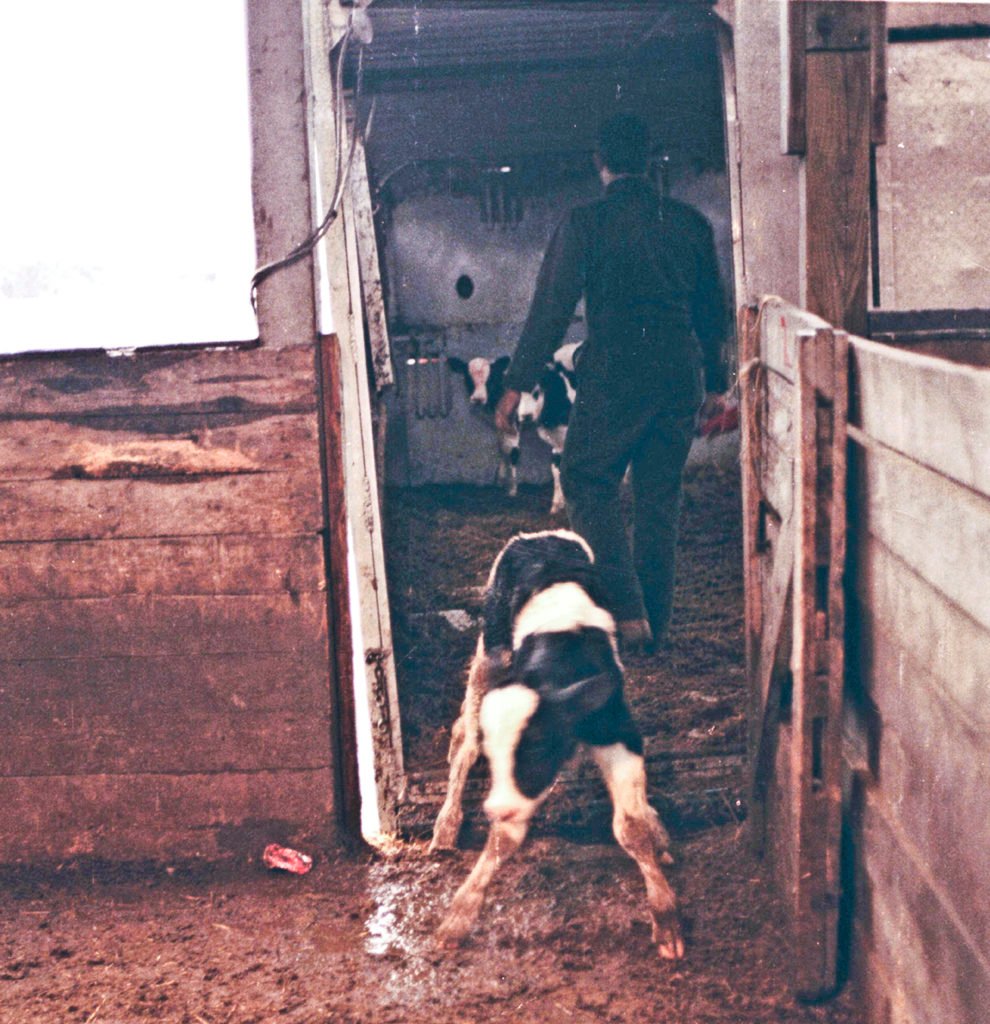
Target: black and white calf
546,678
548,406
484,379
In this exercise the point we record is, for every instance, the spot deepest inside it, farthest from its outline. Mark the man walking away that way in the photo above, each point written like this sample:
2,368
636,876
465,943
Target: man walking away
656,319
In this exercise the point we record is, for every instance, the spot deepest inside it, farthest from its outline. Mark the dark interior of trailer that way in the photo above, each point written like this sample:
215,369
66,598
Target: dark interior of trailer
483,127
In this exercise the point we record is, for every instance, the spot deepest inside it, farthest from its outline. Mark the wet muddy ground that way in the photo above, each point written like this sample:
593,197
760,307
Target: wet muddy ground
564,937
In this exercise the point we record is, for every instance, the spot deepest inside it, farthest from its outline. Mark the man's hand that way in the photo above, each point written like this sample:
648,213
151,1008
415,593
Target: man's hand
713,404
719,414
505,411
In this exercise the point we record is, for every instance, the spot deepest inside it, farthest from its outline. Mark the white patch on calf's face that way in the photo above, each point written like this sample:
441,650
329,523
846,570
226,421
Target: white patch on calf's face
505,713
530,405
562,608
479,370
565,354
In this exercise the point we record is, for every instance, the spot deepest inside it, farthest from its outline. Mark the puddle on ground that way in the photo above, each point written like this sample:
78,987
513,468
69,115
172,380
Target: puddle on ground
386,930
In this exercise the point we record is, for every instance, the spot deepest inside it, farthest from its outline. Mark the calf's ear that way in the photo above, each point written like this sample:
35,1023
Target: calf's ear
583,697
500,365
457,364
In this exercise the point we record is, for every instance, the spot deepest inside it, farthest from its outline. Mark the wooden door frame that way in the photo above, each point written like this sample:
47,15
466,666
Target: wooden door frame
365,679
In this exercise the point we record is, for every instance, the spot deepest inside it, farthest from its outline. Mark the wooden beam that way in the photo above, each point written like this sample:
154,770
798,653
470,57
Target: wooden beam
836,25
792,80
818,657
370,614
837,186
228,816
772,664
839,70
79,386
733,133
131,626
348,790
751,401
264,503
878,57
931,410
280,174
375,319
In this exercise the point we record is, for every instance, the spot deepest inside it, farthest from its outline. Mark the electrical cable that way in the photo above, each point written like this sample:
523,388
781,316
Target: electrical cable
341,170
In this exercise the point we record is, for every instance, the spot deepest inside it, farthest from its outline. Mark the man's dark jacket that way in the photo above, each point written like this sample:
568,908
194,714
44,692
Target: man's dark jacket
649,273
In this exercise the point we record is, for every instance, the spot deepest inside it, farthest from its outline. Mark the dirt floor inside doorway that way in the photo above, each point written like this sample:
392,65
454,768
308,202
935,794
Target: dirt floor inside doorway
440,543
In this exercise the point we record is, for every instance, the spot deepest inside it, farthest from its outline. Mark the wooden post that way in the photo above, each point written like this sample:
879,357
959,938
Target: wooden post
751,400
792,98
371,278
280,180
794,536
338,586
839,122
818,655
369,613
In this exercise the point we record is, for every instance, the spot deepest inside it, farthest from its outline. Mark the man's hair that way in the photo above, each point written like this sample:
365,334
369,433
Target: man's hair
624,144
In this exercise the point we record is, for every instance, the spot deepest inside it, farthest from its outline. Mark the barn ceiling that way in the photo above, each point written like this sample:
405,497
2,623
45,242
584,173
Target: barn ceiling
445,38
488,83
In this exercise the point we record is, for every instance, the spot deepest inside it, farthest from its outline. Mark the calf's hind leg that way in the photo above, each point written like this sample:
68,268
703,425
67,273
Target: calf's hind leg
504,839
638,831
465,746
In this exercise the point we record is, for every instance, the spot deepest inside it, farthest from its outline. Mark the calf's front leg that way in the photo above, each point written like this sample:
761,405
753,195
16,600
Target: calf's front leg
557,503
508,445
639,832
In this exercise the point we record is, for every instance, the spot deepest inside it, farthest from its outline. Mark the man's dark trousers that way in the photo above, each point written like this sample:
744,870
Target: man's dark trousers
611,427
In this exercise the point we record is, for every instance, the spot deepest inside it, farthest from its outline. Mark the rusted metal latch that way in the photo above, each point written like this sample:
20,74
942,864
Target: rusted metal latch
376,657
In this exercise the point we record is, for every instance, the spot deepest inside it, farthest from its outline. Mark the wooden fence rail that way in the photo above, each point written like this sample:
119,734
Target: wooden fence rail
793,368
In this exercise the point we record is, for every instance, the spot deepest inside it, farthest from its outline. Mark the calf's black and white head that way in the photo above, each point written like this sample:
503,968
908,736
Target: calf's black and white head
483,378
549,403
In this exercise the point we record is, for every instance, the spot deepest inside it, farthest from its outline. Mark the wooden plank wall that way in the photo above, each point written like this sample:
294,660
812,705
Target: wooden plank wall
919,564
163,650
167,688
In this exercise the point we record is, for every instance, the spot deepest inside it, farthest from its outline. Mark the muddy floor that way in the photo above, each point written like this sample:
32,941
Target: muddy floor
564,939
441,541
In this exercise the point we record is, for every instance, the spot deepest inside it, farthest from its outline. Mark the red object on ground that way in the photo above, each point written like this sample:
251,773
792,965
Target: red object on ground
286,859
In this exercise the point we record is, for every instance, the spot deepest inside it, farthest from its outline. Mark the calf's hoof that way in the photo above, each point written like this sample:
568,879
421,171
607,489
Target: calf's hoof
445,833
452,932
667,937
442,842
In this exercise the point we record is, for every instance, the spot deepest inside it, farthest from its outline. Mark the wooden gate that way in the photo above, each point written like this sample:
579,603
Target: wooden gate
793,374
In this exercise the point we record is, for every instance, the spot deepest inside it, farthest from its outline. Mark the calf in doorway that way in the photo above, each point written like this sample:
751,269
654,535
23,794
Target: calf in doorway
484,381
545,678
548,406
